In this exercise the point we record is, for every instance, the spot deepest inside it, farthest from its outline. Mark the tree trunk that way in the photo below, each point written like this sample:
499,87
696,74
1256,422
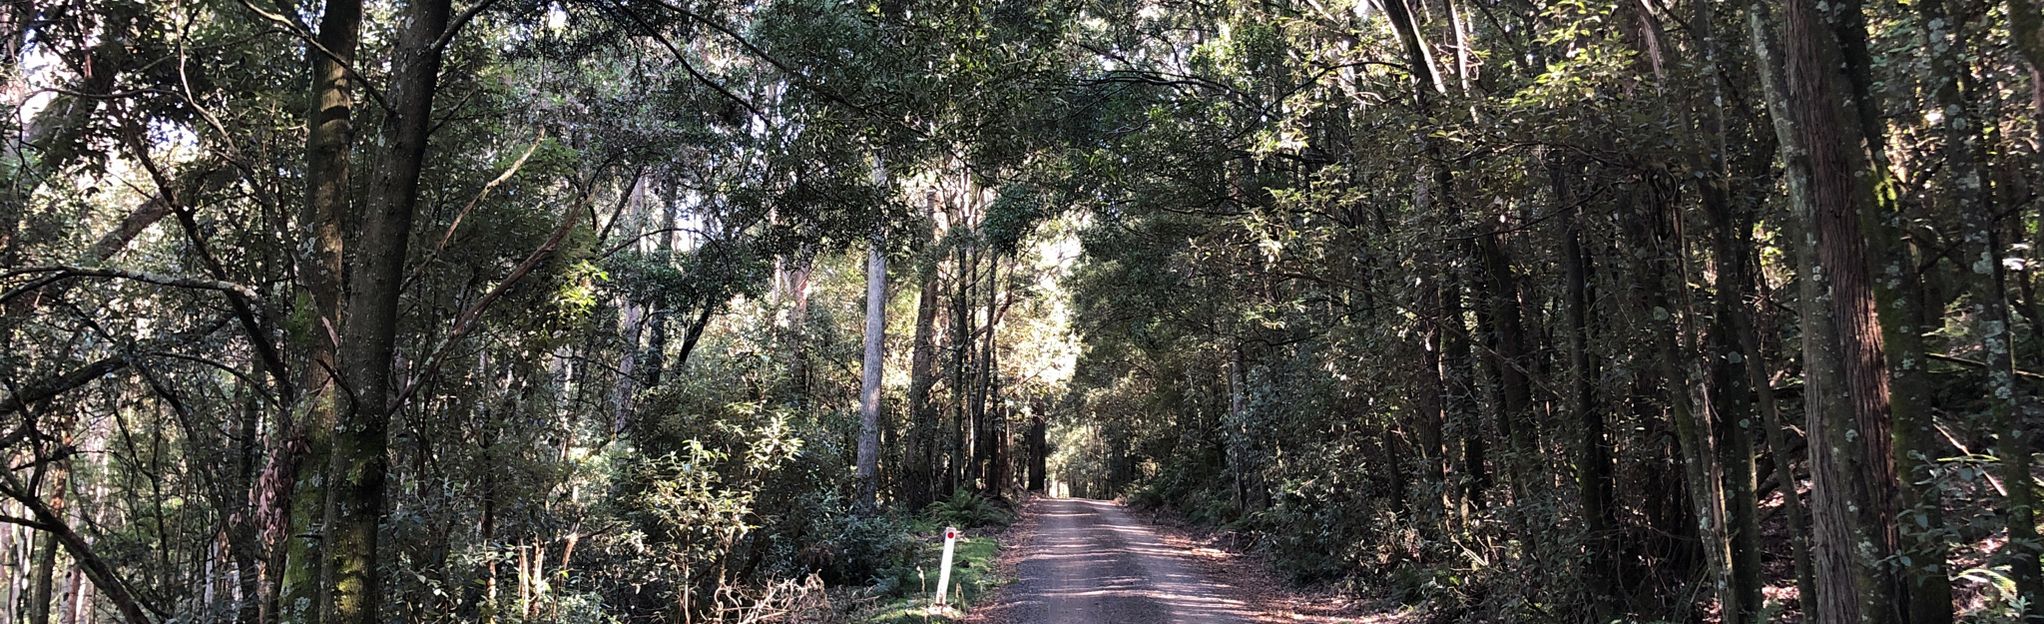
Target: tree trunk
1430,404
1039,454
923,425
1435,182
43,566
1930,591
1731,396
1665,275
1925,588
11,561
1733,405
77,593
1460,382
1593,452
1510,360
959,476
1774,89
50,521
359,460
1730,418
657,319
988,431
1854,485
2026,30
633,317
299,470
2014,438
870,377
2014,444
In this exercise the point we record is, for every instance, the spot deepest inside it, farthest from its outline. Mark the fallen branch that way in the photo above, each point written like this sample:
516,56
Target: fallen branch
1946,357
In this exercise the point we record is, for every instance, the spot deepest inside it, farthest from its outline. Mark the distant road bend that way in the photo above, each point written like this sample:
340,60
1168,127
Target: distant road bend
1090,562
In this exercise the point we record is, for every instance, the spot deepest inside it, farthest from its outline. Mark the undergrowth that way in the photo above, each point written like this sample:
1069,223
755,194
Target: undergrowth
904,592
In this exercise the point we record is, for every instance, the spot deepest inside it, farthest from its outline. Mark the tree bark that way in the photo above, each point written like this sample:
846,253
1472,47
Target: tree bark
297,479
870,377
923,425
1774,89
359,461
1924,586
1854,485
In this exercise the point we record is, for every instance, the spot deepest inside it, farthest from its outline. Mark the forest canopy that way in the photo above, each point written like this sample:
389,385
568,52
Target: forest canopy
348,311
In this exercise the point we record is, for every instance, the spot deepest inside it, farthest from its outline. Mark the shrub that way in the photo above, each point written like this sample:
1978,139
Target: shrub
966,509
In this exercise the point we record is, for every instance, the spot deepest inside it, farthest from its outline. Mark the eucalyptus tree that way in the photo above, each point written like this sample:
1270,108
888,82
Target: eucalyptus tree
544,311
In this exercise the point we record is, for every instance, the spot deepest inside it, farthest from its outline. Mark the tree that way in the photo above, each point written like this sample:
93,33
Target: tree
1853,476
1493,307
298,475
360,463
873,368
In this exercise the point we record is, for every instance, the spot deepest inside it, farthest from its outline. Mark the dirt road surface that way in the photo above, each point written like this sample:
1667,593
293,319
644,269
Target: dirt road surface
1091,562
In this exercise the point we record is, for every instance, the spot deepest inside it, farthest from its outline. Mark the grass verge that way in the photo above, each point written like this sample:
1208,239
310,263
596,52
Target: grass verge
973,576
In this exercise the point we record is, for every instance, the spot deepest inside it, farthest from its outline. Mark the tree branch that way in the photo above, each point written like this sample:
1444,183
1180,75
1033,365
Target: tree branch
1947,357
131,606
62,271
467,319
48,389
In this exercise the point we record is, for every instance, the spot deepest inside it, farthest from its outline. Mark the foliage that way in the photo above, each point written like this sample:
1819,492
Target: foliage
905,596
1458,299
966,510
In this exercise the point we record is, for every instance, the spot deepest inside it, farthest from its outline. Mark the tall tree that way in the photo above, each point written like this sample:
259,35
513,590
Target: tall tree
874,363
925,431
297,478
1854,482
358,470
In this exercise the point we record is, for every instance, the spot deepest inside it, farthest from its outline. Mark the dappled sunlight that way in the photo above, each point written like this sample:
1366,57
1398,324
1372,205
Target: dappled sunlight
1088,561
1378,311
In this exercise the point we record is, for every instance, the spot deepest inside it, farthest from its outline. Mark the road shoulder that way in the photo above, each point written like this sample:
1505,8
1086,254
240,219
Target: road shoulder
995,607
1225,555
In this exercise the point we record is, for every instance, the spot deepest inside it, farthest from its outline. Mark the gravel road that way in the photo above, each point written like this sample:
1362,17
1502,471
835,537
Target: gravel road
1088,562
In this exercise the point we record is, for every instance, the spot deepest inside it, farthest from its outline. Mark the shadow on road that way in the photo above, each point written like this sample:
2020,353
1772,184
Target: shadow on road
1088,562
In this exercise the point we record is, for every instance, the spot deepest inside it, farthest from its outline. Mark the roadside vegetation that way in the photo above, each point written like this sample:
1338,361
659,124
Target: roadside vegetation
973,578
904,592
658,311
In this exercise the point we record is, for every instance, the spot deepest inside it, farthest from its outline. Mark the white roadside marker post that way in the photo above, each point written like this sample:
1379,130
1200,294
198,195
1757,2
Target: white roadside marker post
944,568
